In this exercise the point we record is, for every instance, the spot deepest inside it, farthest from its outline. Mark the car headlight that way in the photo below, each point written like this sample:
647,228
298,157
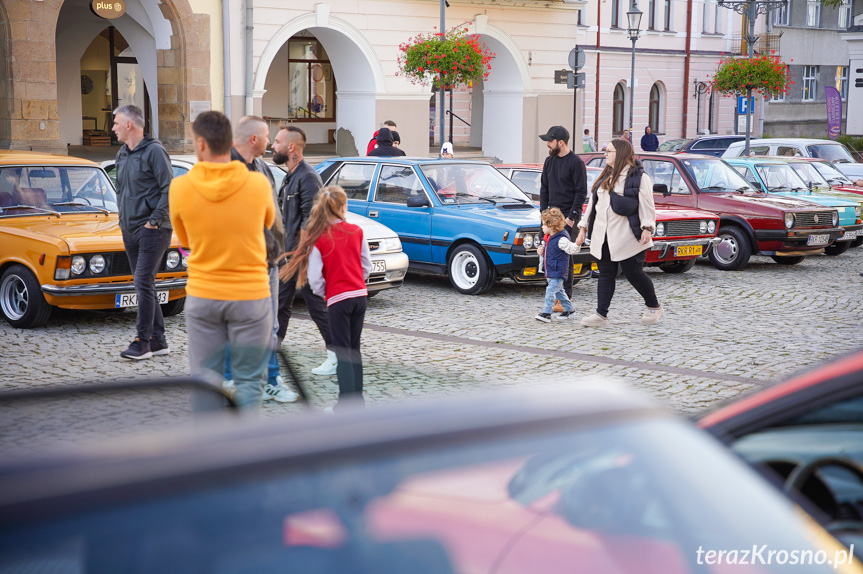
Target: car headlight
789,220
185,261
835,218
528,241
392,244
711,226
97,264
537,241
857,212
702,227
173,259
660,230
78,265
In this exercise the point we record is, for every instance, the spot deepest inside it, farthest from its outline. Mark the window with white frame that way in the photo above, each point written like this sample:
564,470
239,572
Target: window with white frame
666,17
615,13
705,26
717,18
810,83
780,15
651,15
778,97
842,81
845,14
813,13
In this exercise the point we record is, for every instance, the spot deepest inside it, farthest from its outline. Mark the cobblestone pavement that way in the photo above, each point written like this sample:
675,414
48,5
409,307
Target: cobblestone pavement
723,333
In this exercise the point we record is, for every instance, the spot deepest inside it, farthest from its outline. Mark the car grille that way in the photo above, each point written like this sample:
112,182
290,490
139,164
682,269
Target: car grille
808,219
683,228
119,264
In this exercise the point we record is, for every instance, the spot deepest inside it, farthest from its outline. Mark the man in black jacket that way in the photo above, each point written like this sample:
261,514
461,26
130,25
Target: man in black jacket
297,195
385,145
563,184
143,177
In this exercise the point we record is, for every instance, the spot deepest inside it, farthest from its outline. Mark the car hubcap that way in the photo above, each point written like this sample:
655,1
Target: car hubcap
727,249
14,297
465,269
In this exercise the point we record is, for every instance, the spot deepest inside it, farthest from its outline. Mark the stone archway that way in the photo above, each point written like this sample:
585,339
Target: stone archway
182,64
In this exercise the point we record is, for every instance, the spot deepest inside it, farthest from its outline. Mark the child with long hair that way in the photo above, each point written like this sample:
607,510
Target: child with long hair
333,257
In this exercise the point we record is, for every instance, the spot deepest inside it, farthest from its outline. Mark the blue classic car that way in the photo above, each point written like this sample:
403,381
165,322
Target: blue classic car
459,218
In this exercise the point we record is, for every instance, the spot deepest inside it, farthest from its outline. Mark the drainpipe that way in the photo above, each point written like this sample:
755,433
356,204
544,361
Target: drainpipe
250,106
687,64
598,56
226,54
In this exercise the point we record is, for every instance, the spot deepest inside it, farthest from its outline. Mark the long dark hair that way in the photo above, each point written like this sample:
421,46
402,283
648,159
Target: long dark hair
329,206
624,158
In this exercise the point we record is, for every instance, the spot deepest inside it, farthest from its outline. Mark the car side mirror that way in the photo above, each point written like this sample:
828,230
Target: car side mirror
418,201
756,185
661,188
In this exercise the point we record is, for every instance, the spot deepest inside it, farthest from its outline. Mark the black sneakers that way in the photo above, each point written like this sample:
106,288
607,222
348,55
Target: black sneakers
563,316
158,347
544,317
137,350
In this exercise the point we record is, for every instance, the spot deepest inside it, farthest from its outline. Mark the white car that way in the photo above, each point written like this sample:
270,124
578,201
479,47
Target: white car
833,152
389,262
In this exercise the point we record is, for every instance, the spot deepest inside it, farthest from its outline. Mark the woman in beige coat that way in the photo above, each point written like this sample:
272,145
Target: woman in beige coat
619,239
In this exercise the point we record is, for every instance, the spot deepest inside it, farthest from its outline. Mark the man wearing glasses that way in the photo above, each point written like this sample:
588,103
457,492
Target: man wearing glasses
563,184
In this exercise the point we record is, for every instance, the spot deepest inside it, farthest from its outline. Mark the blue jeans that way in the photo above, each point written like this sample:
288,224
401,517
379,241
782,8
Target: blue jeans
555,290
273,370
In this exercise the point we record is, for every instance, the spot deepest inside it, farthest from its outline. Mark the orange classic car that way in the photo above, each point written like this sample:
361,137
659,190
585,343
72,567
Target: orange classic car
61,245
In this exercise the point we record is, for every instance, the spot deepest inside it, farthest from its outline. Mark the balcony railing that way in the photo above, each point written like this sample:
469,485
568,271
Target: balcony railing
767,44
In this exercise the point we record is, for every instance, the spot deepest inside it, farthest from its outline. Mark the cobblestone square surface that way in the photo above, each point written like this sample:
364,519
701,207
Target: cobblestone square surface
723,333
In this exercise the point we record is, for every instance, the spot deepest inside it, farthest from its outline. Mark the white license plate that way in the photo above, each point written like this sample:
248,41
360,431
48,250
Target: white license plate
848,235
818,240
379,266
131,299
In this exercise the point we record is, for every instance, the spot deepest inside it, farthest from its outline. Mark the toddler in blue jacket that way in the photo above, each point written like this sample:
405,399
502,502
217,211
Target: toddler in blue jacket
555,261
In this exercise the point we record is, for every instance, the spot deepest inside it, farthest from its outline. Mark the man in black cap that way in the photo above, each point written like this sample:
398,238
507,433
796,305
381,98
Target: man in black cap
563,184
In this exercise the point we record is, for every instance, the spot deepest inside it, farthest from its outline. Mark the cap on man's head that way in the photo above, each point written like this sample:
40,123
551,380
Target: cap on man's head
555,133
446,148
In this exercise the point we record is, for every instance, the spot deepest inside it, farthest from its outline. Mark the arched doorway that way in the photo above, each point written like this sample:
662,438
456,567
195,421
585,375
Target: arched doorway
353,66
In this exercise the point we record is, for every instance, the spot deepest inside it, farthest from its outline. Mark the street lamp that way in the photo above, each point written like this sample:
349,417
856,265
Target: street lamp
633,17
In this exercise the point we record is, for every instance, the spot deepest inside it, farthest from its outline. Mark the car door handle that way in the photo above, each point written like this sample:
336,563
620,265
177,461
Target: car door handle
373,213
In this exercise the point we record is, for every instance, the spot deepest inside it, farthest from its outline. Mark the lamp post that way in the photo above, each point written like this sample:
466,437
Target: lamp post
634,19
443,6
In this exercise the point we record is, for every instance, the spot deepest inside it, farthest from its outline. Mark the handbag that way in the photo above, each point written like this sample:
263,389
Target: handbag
623,205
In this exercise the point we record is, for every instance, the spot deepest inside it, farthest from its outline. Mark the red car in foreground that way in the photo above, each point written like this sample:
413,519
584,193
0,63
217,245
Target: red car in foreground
682,235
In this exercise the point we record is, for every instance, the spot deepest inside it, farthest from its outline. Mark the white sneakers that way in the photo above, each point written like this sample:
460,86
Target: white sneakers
595,320
279,393
652,316
229,387
328,367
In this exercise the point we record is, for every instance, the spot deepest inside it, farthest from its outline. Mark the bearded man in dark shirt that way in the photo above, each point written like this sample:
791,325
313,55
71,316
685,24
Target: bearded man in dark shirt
563,184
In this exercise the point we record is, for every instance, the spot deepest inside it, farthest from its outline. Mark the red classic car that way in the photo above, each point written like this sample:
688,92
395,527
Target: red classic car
751,221
682,235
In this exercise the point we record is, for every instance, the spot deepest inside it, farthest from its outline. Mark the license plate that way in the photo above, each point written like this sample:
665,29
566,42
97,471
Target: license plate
818,240
576,267
684,250
379,266
848,235
529,271
131,299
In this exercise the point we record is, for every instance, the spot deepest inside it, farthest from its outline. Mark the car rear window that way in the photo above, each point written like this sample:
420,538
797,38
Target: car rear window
830,151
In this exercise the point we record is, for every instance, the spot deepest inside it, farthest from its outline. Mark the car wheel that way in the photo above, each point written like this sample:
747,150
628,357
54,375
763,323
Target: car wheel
21,299
733,250
678,266
469,270
837,248
786,260
174,307
857,242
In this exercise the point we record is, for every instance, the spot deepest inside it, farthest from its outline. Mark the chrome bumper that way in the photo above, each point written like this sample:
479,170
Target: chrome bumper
666,246
108,288
397,266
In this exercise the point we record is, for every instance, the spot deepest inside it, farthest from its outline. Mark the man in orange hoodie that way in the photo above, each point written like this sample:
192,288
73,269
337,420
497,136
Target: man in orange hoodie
218,210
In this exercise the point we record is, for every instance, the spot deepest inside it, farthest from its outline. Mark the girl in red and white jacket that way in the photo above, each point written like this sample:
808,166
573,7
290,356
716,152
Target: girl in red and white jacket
333,257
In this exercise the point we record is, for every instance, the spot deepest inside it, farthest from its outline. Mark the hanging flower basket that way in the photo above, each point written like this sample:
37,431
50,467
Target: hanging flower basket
447,61
764,74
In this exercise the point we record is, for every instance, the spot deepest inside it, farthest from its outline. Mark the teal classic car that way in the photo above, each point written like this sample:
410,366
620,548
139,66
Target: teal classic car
777,176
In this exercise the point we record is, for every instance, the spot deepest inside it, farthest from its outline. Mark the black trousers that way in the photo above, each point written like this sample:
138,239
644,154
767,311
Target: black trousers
633,268
567,280
316,305
145,249
346,325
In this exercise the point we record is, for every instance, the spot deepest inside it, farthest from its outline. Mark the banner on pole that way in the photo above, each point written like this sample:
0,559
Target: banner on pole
834,112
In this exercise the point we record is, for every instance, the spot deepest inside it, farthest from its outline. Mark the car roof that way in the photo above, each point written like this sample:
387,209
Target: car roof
760,159
676,154
711,137
786,141
16,157
407,160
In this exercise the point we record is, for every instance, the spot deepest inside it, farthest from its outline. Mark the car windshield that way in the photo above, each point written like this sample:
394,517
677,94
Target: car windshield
457,183
810,175
671,145
780,177
55,189
716,176
642,497
831,174
831,152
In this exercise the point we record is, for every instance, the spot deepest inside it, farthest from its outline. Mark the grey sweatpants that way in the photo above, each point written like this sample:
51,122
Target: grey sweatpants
247,326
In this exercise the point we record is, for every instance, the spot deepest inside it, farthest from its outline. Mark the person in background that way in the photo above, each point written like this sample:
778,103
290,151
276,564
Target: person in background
385,145
626,136
373,143
649,141
588,142
397,139
144,176
219,210
446,150
333,257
